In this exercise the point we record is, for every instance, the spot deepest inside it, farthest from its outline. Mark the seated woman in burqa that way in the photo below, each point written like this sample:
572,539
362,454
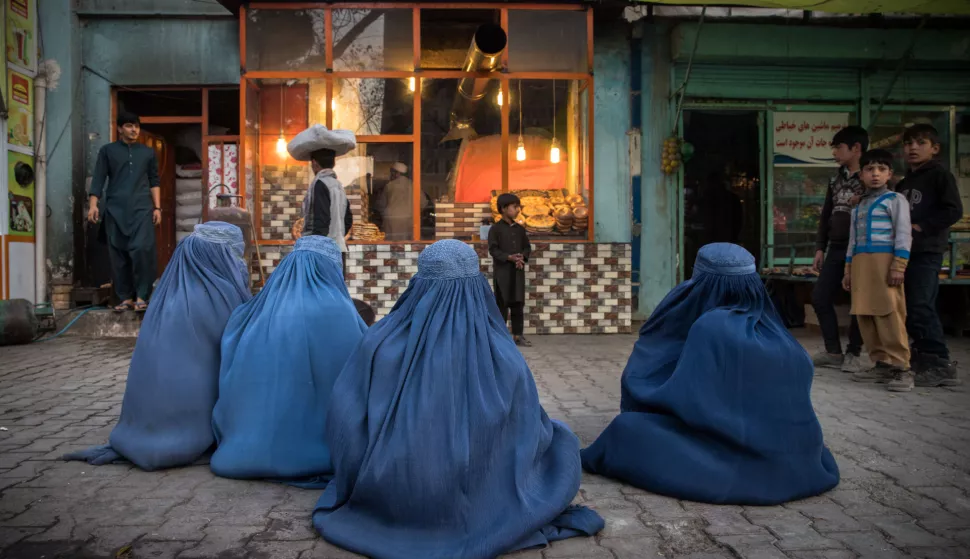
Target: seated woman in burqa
715,404
280,356
440,446
166,414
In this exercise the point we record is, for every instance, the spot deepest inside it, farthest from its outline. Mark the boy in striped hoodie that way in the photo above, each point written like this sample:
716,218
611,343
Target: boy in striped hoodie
880,236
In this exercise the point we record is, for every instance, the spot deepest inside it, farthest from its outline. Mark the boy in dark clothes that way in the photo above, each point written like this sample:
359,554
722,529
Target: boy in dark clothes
842,195
934,206
509,246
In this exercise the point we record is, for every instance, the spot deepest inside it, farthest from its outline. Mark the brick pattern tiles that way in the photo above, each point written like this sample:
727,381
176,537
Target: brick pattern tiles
459,220
574,288
281,204
904,459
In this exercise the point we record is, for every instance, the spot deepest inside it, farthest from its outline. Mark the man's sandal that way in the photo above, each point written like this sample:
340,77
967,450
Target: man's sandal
124,306
141,306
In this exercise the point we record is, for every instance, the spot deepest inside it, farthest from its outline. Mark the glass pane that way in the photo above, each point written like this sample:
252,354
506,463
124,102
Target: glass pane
799,193
283,113
285,40
887,133
962,229
252,142
548,155
377,178
460,175
373,106
373,40
547,41
447,34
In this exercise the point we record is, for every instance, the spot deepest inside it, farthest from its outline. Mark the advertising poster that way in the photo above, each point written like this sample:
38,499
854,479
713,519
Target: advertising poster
804,139
20,37
20,180
20,123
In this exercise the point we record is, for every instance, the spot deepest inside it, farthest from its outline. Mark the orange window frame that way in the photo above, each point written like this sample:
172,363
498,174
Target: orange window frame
328,75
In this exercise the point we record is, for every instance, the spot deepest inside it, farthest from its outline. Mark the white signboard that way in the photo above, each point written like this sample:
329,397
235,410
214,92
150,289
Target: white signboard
805,139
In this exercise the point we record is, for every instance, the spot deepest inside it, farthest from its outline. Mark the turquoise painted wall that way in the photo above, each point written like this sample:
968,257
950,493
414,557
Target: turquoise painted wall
658,251
611,170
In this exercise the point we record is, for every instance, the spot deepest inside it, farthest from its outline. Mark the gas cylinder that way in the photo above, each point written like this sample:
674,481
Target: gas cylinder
240,217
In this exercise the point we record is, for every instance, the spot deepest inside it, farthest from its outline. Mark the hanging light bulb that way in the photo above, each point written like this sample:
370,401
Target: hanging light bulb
333,105
520,151
498,99
554,152
281,145
412,84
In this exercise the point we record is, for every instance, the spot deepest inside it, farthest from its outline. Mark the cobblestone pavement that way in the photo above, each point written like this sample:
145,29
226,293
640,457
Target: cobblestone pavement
904,458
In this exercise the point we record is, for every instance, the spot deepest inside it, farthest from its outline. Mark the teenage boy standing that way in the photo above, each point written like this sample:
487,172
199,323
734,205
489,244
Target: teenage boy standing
935,205
843,193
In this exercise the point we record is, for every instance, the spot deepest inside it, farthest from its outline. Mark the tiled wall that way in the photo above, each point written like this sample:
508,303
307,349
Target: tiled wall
459,220
579,288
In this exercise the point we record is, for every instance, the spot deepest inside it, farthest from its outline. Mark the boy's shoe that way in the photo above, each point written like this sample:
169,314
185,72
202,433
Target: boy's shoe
521,341
852,363
881,373
826,359
903,380
938,372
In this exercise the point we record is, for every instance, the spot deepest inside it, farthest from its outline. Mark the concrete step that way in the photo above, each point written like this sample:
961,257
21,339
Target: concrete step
101,323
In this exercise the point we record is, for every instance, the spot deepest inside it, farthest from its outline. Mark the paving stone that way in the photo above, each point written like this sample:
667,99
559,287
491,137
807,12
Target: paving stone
793,529
633,548
576,548
225,542
325,550
904,532
755,546
869,544
278,549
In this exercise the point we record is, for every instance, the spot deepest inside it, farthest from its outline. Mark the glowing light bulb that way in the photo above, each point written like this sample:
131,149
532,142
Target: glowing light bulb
333,105
498,99
520,151
281,145
554,152
412,84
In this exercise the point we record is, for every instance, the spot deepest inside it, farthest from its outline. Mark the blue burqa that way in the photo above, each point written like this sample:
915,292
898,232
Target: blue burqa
166,415
715,403
281,354
440,446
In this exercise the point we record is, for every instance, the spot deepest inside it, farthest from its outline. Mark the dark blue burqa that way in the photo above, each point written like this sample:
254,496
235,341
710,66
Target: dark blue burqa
166,415
441,448
715,403
281,354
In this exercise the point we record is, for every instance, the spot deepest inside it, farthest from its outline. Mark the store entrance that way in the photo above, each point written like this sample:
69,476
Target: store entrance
722,194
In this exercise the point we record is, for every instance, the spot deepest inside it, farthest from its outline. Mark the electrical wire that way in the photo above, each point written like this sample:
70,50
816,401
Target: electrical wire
72,322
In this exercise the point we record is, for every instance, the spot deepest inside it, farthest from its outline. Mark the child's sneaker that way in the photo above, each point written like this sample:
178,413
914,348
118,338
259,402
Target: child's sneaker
852,363
826,359
903,381
938,373
881,373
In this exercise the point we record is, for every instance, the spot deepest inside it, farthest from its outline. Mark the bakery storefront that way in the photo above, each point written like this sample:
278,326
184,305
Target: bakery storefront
452,105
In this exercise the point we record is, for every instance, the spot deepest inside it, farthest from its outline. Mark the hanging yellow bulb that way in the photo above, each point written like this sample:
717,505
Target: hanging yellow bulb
554,152
281,145
520,151
412,84
498,99
333,105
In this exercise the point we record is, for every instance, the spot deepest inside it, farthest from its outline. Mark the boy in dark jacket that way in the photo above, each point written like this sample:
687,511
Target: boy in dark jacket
510,248
934,206
842,195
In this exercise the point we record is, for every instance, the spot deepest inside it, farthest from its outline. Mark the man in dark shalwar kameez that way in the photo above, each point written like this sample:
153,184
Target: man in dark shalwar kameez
509,246
132,207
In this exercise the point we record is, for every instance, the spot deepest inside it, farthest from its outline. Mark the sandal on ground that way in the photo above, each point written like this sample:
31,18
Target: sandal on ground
124,306
141,306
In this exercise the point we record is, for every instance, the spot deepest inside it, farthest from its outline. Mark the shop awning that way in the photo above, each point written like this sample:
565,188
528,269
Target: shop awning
949,7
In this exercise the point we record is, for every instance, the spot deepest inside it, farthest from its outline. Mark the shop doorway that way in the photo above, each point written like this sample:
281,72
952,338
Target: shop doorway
722,182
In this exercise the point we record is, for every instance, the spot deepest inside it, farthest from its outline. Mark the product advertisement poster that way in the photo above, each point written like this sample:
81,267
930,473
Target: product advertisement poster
20,182
20,122
805,139
21,36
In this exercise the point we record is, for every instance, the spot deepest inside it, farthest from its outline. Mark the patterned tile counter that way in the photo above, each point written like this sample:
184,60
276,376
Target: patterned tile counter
572,288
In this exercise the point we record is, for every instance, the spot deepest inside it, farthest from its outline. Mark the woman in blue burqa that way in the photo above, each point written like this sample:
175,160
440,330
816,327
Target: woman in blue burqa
440,446
715,404
281,354
166,415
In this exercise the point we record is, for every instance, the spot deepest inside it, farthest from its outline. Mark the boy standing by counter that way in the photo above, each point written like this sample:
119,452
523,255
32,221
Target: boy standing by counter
509,246
935,205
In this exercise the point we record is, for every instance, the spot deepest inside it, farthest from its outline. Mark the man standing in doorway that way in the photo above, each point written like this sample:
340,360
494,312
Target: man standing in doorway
132,207
396,206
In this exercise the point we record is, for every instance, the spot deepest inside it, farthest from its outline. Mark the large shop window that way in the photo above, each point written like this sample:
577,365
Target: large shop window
440,134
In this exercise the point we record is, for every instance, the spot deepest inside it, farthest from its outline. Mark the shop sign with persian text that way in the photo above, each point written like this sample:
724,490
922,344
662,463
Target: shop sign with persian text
805,139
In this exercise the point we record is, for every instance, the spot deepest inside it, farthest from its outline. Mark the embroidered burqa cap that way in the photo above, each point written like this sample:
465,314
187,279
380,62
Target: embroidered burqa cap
715,398
166,415
437,402
319,137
